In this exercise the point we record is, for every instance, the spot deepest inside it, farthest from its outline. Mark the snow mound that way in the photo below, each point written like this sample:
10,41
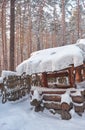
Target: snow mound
36,95
6,73
66,98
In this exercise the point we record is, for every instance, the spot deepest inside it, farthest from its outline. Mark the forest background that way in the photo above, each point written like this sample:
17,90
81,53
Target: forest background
32,25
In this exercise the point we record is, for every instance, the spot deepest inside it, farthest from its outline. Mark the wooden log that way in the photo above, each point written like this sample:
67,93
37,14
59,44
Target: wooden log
66,107
35,102
79,109
83,68
62,86
39,108
78,75
1,85
52,106
71,76
44,79
83,93
53,92
84,106
65,115
77,99
52,98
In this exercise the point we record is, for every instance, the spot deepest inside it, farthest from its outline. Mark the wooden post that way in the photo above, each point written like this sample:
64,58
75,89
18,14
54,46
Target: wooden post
78,75
71,76
44,79
84,71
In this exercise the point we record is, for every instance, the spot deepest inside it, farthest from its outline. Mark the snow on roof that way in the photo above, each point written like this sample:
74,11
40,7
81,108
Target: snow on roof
53,59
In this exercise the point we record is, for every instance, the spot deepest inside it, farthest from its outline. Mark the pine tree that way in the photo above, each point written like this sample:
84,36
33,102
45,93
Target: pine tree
12,31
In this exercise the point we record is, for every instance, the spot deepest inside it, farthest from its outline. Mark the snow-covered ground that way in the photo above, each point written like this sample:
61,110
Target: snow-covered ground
19,115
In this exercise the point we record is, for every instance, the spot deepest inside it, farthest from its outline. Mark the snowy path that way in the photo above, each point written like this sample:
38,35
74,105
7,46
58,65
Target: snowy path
19,116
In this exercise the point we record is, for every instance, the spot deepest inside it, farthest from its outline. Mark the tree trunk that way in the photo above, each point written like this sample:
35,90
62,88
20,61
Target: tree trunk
29,30
12,31
78,18
4,40
63,23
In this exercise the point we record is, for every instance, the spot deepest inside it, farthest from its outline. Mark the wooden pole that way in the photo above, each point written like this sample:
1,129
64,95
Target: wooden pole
83,71
78,75
71,76
44,80
12,34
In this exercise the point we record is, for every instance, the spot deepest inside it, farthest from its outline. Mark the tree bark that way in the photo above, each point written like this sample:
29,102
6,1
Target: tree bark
63,23
12,31
78,18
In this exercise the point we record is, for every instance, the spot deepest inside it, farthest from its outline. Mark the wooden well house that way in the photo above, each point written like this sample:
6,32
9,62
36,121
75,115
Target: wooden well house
60,67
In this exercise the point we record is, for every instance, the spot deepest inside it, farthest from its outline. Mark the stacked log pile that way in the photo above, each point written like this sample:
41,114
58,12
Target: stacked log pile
15,87
79,102
53,100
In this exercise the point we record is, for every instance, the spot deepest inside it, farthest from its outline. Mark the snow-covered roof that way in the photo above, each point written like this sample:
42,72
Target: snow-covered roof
53,59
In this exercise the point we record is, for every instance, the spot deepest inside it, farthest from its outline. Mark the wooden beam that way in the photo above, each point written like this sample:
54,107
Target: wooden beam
44,79
71,76
57,74
78,75
83,68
